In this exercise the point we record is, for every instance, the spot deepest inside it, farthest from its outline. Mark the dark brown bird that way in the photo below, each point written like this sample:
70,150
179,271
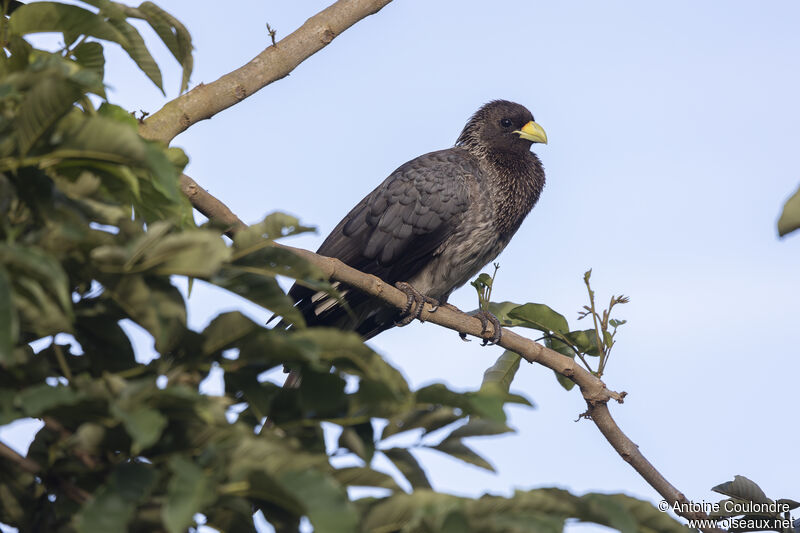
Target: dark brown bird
435,221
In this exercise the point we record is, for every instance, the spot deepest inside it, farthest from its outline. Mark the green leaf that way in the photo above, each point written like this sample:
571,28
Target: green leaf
194,253
174,35
498,377
274,226
188,492
429,419
359,476
44,104
408,466
488,405
790,504
105,344
143,424
37,400
137,50
226,329
359,439
326,502
479,427
790,217
154,304
541,317
55,17
459,450
113,505
500,310
743,489
90,56
9,322
585,340
483,280
261,290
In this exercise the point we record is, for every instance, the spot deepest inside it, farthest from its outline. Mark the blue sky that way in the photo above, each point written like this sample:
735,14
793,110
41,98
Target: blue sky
674,137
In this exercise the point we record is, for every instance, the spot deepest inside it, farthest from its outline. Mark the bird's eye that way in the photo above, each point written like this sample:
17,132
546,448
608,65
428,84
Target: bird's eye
506,123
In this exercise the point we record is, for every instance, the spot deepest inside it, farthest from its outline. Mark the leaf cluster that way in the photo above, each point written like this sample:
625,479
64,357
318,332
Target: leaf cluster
596,342
747,501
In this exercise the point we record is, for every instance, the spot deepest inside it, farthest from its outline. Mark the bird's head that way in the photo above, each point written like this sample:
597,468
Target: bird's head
501,125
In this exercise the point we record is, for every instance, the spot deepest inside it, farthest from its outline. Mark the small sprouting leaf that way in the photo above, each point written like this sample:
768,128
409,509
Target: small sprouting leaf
483,280
616,323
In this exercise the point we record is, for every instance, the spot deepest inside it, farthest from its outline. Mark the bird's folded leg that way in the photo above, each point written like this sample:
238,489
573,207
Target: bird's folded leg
416,301
485,317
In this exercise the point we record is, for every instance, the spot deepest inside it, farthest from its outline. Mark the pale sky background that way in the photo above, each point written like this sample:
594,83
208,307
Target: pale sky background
674,130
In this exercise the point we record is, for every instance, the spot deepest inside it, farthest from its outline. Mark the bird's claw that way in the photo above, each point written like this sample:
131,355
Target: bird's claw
416,301
486,317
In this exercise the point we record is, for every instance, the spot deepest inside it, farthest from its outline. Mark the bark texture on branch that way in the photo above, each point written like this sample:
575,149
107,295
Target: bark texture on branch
275,62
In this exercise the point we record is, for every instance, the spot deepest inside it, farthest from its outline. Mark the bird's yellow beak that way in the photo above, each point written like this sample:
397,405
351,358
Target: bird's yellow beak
533,132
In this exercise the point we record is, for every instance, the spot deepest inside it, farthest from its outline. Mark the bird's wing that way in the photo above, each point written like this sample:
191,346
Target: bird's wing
395,230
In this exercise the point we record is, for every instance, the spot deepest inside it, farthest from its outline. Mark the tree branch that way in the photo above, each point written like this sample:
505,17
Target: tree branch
274,63
73,492
593,389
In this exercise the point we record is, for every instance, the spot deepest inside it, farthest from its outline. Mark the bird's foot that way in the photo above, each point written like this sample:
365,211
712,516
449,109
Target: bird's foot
416,302
486,317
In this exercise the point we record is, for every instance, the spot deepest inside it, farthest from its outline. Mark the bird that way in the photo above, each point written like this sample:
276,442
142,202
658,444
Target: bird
433,224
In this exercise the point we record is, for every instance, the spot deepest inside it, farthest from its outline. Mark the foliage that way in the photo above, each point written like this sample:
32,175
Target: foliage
596,342
747,508
94,234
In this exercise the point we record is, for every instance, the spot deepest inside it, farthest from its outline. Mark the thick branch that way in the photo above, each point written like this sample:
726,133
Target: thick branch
593,389
274,63
210,206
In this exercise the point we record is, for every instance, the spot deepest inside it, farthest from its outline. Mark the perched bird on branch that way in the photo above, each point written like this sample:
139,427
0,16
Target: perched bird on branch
434,222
